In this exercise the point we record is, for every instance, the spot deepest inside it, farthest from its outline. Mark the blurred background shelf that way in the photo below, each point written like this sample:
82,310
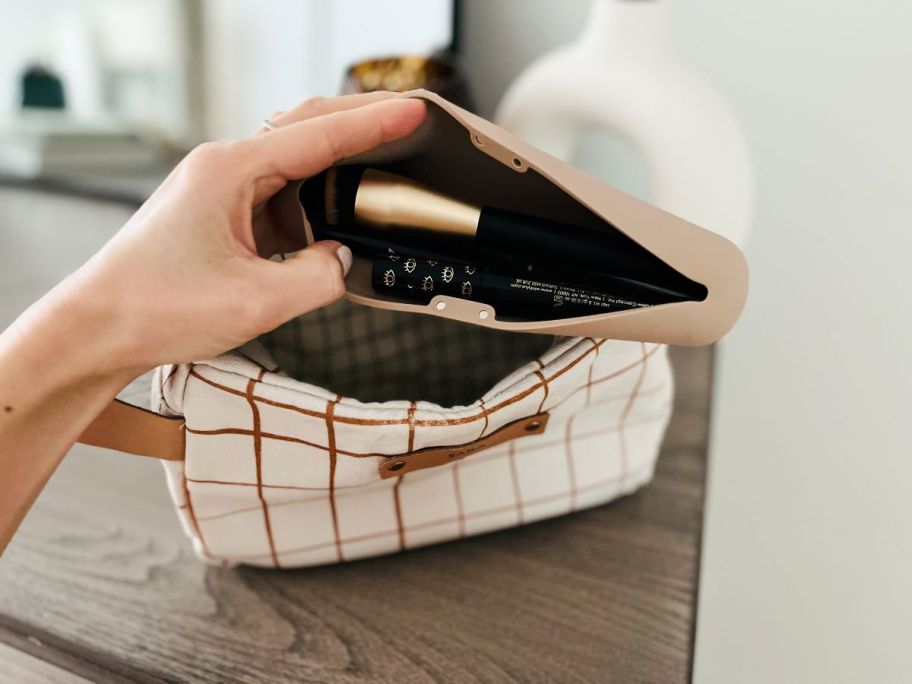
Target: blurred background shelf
130,189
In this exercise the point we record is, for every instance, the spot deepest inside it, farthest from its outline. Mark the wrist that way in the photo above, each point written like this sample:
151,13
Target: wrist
84,326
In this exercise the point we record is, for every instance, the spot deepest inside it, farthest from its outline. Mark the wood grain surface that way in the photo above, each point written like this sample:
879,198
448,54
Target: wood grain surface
101,582
18,666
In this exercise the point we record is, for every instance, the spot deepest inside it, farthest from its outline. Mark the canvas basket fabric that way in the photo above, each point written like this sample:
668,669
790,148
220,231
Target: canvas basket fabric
283,473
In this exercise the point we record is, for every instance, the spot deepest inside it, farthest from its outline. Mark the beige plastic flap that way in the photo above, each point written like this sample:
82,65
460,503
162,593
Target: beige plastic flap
469,157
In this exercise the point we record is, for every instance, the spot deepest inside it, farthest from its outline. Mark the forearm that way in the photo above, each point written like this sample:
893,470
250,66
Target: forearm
58,370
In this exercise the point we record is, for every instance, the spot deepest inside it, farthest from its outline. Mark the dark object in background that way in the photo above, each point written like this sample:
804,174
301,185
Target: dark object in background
41,88
438,73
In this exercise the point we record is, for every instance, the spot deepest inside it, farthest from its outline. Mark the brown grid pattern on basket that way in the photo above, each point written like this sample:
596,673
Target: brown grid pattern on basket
480,412
395,536
397,520
377,355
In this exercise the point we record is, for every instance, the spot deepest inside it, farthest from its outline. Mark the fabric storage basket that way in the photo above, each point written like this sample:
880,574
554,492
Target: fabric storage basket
282,473
378,425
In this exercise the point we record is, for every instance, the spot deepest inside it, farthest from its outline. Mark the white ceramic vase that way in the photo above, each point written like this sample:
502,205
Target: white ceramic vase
622,75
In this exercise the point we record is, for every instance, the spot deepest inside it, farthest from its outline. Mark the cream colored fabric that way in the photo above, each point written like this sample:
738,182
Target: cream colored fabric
282,473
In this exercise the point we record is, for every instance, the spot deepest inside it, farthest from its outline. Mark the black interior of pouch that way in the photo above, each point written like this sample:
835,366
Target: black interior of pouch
442,157
381,355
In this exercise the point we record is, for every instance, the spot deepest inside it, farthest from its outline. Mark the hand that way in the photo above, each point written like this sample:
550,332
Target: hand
185,280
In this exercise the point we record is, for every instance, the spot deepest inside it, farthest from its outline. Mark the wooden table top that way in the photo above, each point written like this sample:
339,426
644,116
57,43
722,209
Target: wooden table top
101,582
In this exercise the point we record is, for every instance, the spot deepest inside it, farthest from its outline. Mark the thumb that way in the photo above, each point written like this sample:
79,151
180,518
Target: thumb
312,278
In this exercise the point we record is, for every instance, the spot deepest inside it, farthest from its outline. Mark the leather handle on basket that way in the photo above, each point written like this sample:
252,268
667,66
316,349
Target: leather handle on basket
134,430
429,457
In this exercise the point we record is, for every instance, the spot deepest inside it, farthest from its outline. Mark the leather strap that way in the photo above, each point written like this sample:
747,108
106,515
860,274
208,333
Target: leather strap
429,457
133,430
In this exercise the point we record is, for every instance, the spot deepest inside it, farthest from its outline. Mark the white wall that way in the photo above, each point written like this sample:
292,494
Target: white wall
262,56
808,545
807,557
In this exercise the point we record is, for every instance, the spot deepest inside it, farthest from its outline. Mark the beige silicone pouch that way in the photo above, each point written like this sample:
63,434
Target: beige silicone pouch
463,155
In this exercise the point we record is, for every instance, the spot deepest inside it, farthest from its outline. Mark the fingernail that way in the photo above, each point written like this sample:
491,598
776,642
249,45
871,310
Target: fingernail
345,258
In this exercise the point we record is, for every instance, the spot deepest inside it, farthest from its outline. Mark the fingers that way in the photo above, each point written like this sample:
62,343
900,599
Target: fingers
312,278
307,147
321,106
